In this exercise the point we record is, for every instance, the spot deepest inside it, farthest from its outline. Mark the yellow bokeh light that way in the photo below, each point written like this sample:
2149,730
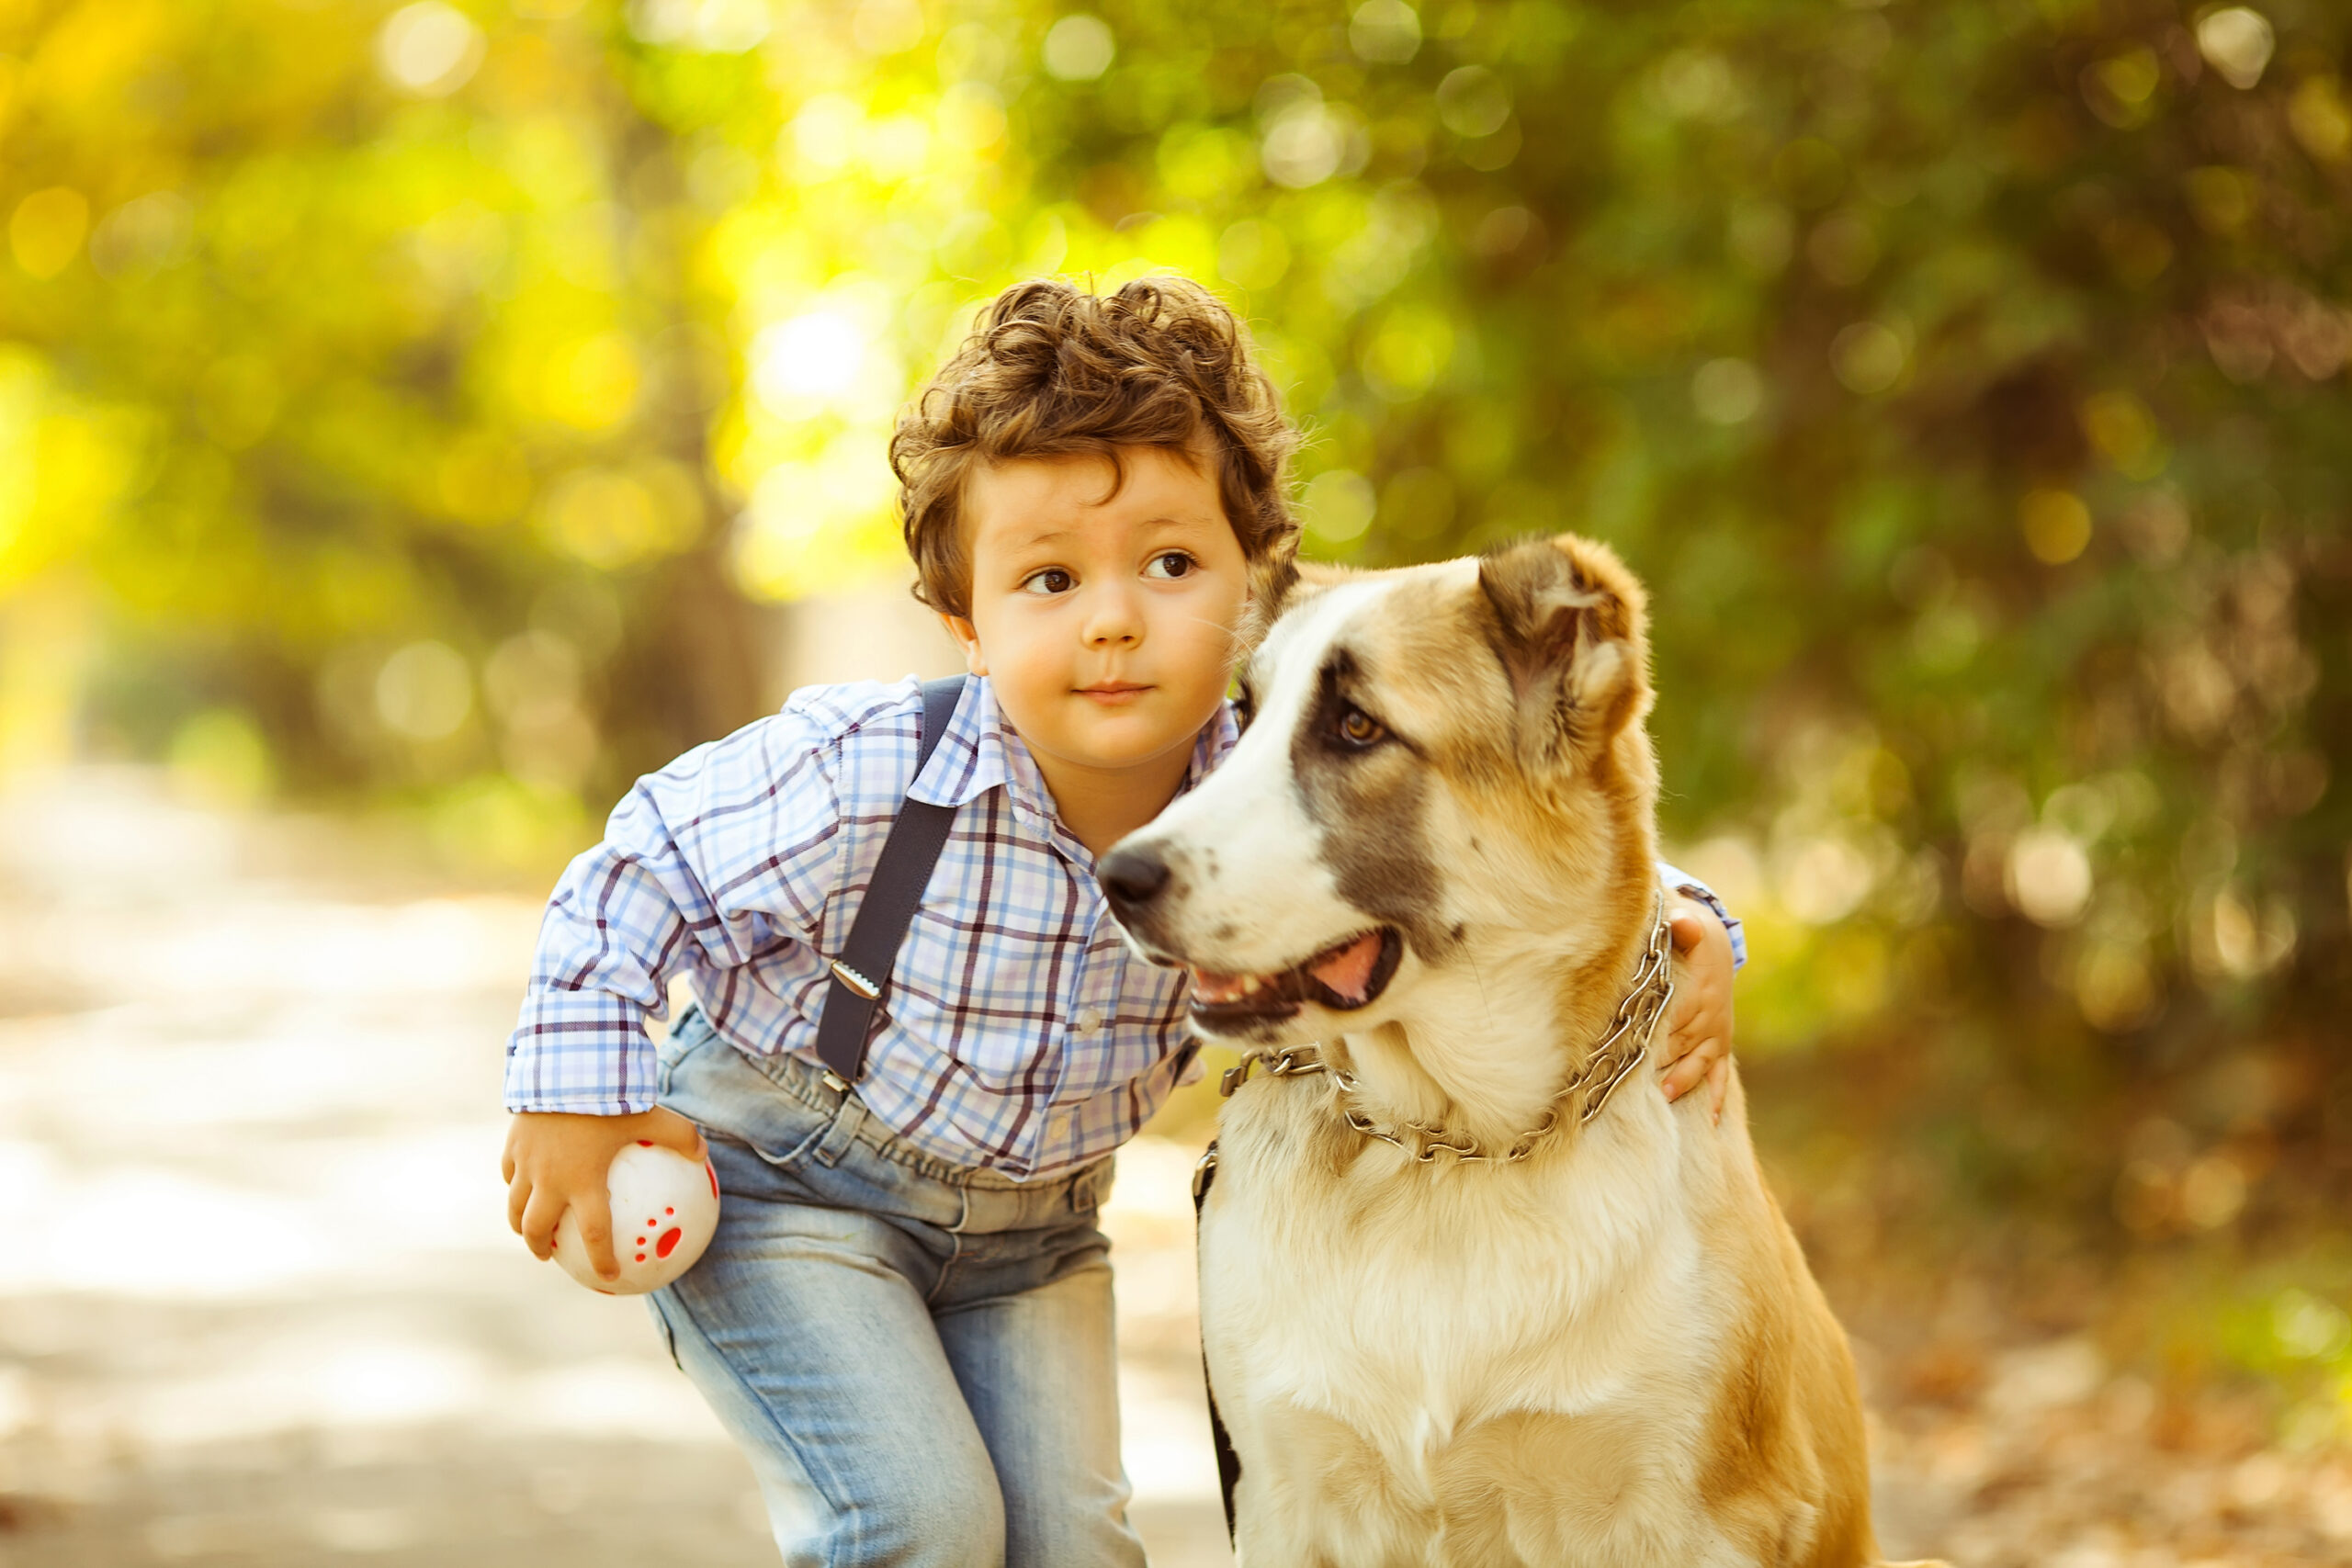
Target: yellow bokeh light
823,137
2056,525
813,357
592,383
45,231
612,518
821,524
428,48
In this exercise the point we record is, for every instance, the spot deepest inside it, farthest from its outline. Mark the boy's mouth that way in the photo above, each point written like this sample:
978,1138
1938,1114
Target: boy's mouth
1348,975
1114,692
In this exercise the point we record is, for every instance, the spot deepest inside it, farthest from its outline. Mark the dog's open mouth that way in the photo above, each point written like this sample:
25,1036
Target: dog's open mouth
1344,977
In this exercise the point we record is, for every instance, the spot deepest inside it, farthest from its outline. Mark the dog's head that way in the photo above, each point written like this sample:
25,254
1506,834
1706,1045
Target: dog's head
1443,768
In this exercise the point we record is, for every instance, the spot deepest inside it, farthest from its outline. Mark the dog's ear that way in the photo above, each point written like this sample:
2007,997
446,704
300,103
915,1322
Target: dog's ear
1568,627
1275,585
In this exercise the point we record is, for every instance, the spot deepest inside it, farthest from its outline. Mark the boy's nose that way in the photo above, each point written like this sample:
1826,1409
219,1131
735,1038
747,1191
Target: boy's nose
1132,877
1115,620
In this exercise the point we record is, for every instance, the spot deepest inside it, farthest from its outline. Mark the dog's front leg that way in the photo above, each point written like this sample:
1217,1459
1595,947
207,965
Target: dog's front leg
1315,1492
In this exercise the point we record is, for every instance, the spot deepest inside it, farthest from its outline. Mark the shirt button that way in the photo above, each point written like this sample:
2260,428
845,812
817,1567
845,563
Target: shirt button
1089,1020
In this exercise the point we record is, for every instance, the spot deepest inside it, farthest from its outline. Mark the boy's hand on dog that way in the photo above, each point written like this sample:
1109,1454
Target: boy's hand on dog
1697,1043
556,1161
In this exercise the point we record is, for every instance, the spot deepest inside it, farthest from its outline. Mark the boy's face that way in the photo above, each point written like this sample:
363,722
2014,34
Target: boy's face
1105,623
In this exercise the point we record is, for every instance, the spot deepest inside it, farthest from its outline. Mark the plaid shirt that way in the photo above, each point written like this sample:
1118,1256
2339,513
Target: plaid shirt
1018,1030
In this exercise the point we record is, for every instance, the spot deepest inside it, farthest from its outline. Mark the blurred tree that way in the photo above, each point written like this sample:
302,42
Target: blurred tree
433,400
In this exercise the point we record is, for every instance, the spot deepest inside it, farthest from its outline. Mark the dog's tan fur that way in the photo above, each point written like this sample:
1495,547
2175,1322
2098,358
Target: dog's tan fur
1611,1353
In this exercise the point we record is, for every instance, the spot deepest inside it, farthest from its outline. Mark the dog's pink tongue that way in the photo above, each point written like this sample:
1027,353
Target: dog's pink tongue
1348,971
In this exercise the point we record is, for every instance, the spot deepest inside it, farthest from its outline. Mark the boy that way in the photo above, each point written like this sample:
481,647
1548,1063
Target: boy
905,1318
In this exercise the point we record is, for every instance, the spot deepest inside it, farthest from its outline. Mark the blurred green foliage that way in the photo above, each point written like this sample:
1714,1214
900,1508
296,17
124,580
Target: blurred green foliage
434,399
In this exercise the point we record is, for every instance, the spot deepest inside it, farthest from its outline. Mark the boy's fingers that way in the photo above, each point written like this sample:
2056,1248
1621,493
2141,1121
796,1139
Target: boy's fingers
1718,1086
1688,924
673,1131
1684,1075
591,1212
1703,1060
540,1217
1690,1015
518,1197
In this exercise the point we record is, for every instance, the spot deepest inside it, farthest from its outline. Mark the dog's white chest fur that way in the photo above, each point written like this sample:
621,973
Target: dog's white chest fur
1391,1344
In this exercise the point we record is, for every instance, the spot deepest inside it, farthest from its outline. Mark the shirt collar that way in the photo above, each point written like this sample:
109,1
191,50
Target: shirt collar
969,759
979,752
1219,736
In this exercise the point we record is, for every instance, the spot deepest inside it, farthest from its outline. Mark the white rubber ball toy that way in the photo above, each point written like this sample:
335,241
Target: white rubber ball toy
665,1208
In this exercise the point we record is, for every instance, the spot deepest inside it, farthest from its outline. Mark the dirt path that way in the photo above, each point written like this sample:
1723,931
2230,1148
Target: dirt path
259,1304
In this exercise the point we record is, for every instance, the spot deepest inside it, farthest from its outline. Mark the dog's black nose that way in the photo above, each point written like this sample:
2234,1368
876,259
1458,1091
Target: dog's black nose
1132,877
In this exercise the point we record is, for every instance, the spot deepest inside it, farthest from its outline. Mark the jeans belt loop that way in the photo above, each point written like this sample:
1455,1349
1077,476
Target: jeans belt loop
843,1130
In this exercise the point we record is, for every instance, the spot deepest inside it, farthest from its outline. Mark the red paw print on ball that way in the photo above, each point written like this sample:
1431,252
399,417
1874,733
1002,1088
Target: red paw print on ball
664,1239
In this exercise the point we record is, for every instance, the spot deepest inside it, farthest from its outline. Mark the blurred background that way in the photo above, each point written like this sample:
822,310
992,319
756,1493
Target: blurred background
417,421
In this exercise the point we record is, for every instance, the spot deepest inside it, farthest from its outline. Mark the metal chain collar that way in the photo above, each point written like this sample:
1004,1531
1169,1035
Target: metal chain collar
1620,1048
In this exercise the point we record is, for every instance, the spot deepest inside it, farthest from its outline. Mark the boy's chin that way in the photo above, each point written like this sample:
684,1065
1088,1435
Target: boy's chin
1134,732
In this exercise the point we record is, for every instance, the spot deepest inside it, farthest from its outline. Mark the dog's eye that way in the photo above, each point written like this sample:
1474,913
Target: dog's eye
1358,727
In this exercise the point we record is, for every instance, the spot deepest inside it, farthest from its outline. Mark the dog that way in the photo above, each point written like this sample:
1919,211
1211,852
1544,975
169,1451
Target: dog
1463,1302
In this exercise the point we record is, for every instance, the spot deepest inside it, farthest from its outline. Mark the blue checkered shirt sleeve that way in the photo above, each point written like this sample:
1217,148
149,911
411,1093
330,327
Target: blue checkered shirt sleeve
1683,882
705,866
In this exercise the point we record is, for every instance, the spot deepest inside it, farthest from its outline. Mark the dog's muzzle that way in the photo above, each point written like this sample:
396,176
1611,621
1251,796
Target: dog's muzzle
1133,877
1344,975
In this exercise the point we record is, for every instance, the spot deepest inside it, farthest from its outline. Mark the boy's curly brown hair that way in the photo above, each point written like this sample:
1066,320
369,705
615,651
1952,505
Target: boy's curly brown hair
1051,371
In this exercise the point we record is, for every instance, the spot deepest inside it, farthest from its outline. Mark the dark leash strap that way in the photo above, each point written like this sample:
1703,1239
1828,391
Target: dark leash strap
1229,1463
910,851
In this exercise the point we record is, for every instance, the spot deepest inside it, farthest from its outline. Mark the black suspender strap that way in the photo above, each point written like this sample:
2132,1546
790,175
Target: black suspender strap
900,877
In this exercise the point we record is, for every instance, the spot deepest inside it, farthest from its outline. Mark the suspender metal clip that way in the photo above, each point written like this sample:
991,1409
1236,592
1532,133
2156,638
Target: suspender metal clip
855,981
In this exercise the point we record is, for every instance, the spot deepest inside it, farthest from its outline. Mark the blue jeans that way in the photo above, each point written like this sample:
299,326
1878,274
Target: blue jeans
916,1356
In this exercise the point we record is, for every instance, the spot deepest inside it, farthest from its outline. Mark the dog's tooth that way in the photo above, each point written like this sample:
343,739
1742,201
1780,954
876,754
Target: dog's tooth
1212,988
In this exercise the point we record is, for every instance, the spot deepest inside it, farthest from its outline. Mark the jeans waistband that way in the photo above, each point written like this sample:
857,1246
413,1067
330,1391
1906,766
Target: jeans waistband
814,1086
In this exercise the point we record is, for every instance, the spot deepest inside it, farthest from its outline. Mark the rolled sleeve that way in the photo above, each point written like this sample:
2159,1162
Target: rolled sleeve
1683,882
580,1051
704,866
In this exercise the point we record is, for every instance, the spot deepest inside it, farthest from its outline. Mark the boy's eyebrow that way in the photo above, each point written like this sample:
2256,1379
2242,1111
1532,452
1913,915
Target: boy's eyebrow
1030,541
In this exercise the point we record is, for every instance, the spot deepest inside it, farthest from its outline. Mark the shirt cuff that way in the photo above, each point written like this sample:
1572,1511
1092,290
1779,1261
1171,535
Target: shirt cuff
584,1053
1683,882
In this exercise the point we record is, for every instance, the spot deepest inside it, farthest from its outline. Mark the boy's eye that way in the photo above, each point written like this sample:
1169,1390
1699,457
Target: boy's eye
1053,580
1171,564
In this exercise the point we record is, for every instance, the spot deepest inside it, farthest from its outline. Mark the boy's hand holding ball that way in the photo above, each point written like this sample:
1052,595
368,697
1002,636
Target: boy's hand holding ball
557,1165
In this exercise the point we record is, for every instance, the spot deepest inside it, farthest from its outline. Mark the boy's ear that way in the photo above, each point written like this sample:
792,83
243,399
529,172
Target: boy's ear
960,628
